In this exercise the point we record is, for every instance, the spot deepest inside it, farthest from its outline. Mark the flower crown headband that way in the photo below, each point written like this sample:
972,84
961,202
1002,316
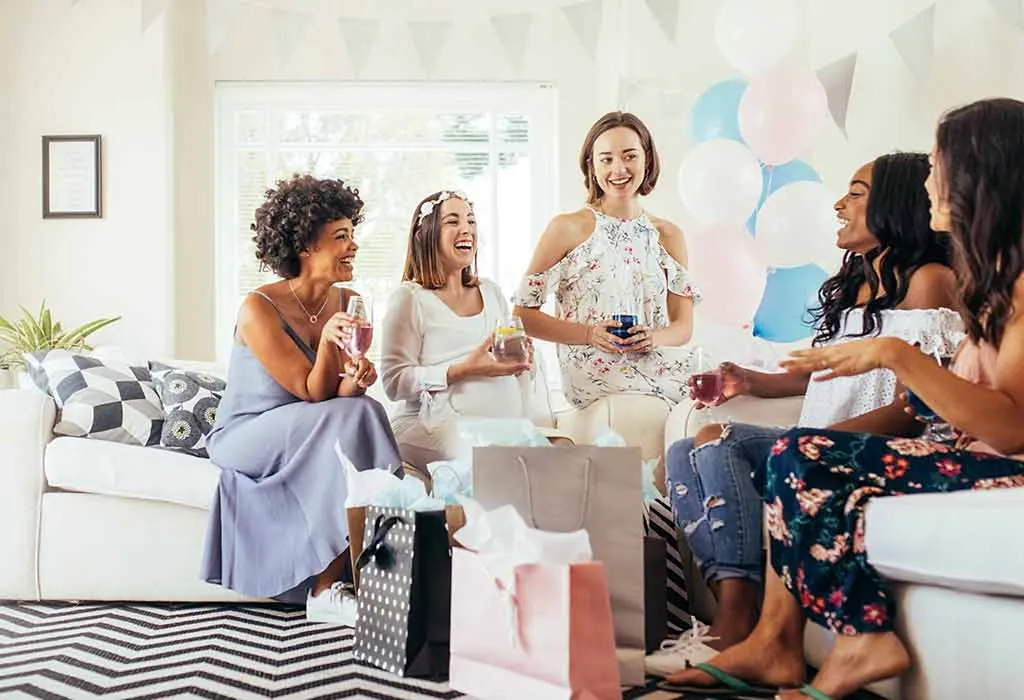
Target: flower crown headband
427,208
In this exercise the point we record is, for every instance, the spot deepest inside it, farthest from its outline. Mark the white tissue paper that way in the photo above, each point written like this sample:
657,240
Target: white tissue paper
450,478
379,487
503,541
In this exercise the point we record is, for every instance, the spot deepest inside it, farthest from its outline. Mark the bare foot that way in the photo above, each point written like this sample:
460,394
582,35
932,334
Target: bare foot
856,661
759,659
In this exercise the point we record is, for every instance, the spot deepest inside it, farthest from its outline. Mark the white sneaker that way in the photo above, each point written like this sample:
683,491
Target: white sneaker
675,654
336,605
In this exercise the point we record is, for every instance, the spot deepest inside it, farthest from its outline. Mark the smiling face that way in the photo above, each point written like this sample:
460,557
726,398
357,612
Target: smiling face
456,245
852,213
333,253
939,209
618,162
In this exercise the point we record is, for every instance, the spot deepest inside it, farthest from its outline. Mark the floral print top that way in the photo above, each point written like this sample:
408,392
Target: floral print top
621,268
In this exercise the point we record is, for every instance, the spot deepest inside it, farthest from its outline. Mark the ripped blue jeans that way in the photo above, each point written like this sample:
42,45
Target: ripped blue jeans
716,503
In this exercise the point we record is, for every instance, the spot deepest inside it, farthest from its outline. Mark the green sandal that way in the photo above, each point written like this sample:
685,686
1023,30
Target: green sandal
729,685
814,693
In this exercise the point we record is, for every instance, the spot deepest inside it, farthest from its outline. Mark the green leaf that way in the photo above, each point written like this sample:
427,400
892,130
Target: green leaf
77,337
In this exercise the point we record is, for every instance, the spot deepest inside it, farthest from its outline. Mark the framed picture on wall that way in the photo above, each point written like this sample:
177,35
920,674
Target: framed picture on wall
72,177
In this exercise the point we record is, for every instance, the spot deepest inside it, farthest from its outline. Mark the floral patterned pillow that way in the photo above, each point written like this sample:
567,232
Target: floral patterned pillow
190,400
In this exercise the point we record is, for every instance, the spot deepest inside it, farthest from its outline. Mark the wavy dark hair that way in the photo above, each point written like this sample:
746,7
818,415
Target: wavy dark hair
980,174
290,218
898,216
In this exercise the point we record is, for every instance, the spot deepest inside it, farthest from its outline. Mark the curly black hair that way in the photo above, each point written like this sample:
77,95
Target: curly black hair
290,218
898,216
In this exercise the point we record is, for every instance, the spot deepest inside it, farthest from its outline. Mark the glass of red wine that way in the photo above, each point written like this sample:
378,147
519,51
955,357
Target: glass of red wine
510,342
706,382
362,334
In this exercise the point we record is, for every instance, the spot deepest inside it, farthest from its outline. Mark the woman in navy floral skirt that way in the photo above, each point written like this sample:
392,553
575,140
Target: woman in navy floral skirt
819,482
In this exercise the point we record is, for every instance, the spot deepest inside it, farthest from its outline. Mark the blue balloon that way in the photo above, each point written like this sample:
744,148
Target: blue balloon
715,115
790,292
773,178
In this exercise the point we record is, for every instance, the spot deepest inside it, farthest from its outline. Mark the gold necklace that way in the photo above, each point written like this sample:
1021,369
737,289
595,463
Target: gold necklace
312,317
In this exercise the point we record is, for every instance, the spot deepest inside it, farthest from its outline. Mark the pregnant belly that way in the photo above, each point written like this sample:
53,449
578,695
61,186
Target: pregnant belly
496,397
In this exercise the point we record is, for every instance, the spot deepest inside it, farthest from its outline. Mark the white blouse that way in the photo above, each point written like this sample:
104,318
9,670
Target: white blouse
934,331
422,338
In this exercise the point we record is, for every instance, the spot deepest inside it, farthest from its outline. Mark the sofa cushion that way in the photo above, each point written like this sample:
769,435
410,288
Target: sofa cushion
103,400
113,469
966,540
190,400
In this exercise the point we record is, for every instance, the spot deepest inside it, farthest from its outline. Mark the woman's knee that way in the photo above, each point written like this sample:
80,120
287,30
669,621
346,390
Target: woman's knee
708,433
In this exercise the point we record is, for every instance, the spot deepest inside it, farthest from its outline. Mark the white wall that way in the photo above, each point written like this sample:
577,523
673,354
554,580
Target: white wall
89,69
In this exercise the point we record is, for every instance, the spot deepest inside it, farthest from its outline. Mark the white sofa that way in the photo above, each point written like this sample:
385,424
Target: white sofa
957,566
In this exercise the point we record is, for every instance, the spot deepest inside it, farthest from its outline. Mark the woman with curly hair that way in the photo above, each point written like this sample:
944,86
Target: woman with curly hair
277,527
893,282
820,482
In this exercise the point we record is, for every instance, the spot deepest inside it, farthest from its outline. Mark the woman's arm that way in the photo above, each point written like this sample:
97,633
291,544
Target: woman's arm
891,419
993,415
565,232
259,327
679,330
775,385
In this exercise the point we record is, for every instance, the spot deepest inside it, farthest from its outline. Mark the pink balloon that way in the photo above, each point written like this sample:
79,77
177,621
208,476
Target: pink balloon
729,273
781,113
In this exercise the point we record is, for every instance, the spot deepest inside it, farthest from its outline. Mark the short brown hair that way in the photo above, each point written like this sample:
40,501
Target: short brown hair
421,261
652,164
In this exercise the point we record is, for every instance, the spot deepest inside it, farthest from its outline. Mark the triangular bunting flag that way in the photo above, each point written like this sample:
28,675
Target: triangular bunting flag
915,41
429,38
220,16
151,9
837,79
666,12
359,36
289,28
1009,11
585,20
513,31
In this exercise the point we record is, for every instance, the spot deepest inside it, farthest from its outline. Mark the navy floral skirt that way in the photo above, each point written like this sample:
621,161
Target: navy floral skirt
817,486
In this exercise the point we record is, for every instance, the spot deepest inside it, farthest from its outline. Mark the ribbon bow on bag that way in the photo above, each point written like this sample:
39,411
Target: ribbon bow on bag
378,550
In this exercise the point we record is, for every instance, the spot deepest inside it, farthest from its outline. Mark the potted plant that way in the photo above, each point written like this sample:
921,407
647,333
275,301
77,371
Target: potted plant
39,332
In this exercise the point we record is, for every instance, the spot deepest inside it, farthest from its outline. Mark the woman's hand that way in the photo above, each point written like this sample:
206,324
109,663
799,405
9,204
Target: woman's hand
599,337
481,363
641,339
845,359
362,372
734,383
338,330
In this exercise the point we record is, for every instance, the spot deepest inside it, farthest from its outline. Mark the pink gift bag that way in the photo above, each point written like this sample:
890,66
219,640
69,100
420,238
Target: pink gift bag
552,639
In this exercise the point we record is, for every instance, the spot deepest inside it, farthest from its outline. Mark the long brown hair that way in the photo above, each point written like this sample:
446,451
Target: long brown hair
652,163
980,153
422,263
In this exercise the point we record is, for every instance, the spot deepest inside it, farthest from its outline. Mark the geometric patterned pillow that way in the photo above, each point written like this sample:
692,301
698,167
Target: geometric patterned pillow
190,402
102,400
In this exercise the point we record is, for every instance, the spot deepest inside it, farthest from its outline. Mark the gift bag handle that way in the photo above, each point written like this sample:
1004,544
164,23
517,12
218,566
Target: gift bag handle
529,492
374,550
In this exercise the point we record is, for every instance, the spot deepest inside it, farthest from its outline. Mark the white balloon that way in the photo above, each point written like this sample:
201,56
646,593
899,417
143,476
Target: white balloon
720,182
755,35
797,225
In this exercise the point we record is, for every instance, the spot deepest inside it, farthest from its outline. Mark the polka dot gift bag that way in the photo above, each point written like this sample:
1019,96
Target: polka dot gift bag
405,593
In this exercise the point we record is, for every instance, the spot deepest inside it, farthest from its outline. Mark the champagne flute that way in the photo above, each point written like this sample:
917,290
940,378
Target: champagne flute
361,335
510,344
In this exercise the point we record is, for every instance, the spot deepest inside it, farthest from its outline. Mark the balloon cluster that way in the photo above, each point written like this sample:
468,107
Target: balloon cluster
763,217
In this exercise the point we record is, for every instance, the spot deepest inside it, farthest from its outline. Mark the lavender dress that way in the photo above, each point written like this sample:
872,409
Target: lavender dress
278,517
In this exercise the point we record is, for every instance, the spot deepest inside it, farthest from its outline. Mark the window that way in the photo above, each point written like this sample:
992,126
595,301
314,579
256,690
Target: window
396,143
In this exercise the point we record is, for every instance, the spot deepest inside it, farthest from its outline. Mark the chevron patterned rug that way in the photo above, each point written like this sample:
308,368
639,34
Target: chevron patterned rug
61,650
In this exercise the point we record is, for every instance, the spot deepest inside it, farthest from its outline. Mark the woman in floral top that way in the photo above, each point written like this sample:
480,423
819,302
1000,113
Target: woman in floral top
819,482
611,257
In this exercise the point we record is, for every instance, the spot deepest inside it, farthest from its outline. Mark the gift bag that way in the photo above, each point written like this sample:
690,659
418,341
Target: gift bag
594,488
659,522
405,596
550,640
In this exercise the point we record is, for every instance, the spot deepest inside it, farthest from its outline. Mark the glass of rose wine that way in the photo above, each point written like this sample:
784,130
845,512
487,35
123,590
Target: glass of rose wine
706,382
362,335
